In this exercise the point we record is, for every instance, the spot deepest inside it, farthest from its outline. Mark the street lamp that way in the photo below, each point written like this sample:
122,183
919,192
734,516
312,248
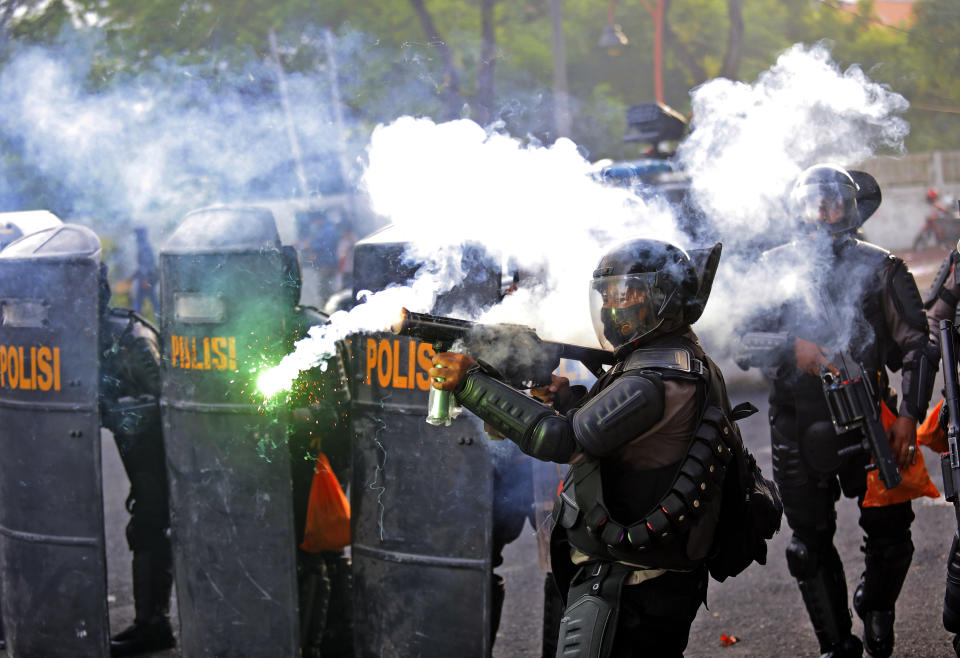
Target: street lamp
613,41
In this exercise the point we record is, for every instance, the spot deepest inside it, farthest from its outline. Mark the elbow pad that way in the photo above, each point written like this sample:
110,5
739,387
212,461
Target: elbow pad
537,429
621,412
920,367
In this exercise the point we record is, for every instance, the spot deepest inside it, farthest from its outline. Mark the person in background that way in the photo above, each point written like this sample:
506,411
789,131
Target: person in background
865,303
144,281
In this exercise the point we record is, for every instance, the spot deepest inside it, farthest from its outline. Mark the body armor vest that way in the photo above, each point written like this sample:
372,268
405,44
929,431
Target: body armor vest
677,531
869,343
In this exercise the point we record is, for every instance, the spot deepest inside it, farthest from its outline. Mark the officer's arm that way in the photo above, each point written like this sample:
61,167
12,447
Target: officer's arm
618,414
903,312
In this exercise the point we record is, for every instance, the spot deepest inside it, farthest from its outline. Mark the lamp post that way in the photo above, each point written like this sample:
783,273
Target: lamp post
613,41
561,103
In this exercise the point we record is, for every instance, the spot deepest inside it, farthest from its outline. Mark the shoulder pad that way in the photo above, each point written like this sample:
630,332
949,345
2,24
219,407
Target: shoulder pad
627,408
869,253
906,296
664,358
938,281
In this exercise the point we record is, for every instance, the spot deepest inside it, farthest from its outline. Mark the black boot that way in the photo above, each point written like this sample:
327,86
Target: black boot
151,630
876,596
824,591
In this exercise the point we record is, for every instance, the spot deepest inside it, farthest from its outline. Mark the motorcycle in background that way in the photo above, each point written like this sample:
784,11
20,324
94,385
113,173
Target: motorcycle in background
941,228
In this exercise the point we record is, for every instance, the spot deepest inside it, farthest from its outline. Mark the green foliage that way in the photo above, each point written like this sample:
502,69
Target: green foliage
390,50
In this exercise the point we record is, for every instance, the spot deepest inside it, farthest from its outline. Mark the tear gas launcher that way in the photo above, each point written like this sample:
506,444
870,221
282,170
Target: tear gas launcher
950,460
854,404
950,464
522,358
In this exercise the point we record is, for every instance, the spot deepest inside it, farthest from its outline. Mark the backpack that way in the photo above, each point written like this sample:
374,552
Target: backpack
751,510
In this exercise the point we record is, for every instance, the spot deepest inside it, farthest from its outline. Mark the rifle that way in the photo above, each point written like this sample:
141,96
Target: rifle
515,351
854,404
950,465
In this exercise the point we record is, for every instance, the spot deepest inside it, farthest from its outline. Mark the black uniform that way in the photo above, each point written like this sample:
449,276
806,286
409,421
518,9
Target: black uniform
650,446
867,303
129,406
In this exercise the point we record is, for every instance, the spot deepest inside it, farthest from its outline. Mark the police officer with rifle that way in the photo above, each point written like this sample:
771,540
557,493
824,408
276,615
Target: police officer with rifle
941,303
867,307
656,492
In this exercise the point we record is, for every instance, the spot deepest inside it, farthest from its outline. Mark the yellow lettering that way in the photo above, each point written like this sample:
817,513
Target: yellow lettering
3,365
185,361
56,368
383,375
371,360
219,358
398,381
232,350
25,384
13,367
206,353
197,365
45,379
174,350
33,367
411,363
425,356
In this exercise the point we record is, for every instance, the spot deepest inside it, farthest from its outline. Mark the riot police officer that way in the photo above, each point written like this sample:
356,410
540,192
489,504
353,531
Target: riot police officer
867,304
638,512
129,408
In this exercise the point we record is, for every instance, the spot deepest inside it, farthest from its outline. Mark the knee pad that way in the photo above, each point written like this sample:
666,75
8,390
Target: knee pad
801,562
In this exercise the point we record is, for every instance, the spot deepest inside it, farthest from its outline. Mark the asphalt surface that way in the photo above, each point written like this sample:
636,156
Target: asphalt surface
761,607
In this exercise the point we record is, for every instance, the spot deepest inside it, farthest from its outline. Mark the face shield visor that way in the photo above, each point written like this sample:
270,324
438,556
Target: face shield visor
826,204
626,307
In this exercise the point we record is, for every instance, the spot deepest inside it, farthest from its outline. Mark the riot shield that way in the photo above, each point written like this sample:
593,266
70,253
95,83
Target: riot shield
52,560
421,496
231,514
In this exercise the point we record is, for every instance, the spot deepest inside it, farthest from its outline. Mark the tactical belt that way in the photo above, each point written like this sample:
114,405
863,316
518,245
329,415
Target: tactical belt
699,479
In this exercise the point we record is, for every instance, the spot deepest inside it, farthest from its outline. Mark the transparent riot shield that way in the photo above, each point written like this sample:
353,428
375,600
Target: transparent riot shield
231,511
52,560
421,495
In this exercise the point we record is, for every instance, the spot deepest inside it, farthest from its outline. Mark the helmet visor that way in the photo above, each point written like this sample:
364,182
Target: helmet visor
625,307
832,205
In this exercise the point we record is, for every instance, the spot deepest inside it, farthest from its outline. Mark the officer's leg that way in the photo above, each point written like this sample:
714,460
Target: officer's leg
143,458
589,624
314,595
338,638
656,615
512,502
887,549
808,503
552,613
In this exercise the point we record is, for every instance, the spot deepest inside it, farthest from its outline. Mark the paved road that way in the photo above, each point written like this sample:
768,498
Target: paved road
762,606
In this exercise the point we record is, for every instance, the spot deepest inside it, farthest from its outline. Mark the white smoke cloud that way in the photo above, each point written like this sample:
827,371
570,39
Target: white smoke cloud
748,144
445,186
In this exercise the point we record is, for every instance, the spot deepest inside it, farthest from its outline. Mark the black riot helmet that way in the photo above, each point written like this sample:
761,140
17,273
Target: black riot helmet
641,287
825,196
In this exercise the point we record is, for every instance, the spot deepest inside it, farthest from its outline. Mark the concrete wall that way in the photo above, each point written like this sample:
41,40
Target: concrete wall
904,181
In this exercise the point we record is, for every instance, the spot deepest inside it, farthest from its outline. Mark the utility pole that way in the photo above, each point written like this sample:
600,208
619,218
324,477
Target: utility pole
561,99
